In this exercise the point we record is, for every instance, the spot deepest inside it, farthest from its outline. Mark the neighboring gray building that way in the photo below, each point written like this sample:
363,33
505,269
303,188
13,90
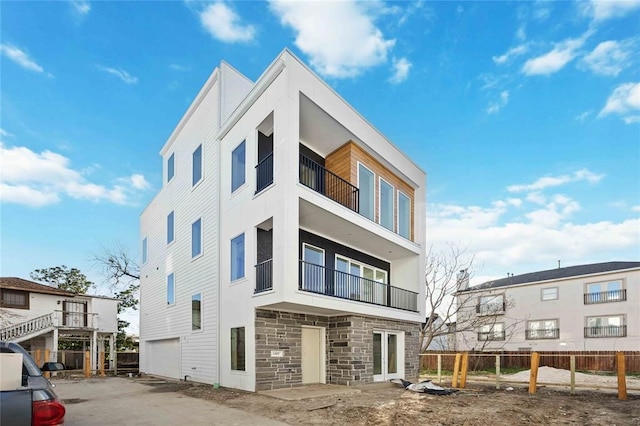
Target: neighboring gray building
577,308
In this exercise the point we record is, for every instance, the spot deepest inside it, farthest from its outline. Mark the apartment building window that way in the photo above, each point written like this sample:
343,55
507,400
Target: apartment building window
491,305
237,349
542,329
144,250
196,312
238,162
605,292
197,165
491,332
386,204
366,186
171,289
606,326
170,167
313,278
14,299
358,281
404,215
170,227
237,257
549,293
196,238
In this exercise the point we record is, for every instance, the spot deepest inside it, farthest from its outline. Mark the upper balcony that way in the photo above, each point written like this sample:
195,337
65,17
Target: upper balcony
605,296
323,181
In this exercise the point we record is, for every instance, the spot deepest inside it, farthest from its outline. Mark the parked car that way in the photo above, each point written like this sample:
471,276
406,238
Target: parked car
29,400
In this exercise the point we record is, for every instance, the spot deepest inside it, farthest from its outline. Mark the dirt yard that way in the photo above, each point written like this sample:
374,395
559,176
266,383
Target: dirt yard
481,405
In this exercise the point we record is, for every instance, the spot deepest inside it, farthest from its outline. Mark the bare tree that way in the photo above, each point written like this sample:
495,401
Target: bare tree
452,310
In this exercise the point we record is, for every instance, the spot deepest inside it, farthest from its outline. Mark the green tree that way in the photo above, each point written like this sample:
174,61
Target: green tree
64,278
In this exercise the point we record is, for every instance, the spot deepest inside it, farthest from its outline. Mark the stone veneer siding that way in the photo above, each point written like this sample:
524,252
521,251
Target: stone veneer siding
349,347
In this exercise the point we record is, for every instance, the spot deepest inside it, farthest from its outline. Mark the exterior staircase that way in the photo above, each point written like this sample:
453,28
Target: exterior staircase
28,329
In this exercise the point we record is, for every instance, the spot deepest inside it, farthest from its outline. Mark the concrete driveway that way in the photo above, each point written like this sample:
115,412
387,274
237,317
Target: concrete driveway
125,401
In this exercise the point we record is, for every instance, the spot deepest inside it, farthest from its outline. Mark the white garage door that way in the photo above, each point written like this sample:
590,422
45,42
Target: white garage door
164,358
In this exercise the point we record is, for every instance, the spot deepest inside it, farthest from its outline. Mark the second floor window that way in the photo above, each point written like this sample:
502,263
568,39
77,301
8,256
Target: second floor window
386,204
404,215
170,228
604,292
170,167
238,162
606,326
14,299
366,186
197,165
237,257
491,305
491,332
196,238
550,293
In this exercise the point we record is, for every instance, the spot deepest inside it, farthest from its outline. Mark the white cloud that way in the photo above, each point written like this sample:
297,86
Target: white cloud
521,34
553,181
37,179
601,10
554,60
224,24
610,57
541,10
20,57
121,74
583,116
346,47
5,134
635,209
511,53
401,69
501,102
624,101
81,6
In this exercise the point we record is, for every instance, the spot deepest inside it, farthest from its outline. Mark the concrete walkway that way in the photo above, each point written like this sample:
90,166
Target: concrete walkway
308,392
123,401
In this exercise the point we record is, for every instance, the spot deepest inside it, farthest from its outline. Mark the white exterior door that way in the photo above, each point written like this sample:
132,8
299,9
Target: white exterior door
312,363
388,355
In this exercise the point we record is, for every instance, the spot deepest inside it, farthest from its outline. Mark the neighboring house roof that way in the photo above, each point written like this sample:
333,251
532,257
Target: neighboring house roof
20,284
558,273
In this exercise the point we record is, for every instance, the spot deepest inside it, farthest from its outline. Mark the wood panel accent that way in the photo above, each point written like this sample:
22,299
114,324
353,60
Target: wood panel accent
344,163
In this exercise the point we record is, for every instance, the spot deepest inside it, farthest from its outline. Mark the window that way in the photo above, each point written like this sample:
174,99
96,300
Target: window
404,215
386,204
197,165
313,269
542,329
366,186
15,299
144,250
606,326
237,257
196,238
491,305
358,281
237,349
171,289
550,293
170,167
196,312
491,332
170,220
604,292
238,166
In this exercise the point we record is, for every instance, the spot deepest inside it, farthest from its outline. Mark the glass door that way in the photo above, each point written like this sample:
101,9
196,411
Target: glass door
313,269
387,353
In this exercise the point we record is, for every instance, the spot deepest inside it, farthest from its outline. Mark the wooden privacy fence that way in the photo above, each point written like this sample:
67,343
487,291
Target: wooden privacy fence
601,361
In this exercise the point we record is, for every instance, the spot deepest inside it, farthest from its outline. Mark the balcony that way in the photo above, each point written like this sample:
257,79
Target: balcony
320,280
264,173
605,297
606,331
538,334
491,335
321,180
264,276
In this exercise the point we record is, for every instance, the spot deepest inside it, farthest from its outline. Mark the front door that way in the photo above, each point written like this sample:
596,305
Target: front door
388,356
312,359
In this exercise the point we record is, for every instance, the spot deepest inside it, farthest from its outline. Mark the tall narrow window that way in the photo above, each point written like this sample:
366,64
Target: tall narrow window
237,349
171,289
238,166
196,238
366,186
313,275
170,167
197,165
404,215
386,204
170,226
144,250
196,312
237,257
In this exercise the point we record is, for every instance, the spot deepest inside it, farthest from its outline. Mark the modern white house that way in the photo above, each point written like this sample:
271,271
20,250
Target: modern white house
39,316
287,244
594,307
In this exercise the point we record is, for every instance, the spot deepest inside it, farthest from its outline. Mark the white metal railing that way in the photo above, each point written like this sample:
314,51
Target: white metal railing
33,325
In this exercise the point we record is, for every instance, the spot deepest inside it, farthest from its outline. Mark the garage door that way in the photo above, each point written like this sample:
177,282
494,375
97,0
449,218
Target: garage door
164,358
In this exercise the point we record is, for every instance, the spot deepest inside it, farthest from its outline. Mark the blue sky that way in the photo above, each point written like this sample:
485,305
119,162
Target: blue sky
525,115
